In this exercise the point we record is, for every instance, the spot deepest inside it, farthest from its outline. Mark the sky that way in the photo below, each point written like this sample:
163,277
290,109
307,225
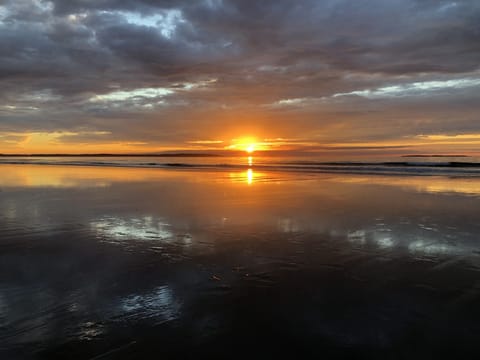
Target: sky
326,76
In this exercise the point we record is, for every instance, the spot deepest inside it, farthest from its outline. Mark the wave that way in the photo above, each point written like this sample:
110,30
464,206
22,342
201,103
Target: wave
451,168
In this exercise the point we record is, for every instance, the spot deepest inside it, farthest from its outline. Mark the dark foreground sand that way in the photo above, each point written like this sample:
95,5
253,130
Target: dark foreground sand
99,263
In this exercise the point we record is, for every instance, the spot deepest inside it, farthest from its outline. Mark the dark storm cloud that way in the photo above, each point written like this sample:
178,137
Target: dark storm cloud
79,64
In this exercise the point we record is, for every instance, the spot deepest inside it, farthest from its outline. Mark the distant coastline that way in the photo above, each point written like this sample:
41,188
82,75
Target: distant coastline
433,156
115,155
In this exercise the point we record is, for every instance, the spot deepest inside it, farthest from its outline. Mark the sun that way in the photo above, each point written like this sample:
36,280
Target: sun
248,144
250,148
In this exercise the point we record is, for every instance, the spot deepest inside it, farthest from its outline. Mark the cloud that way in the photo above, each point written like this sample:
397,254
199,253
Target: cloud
172,71
414,89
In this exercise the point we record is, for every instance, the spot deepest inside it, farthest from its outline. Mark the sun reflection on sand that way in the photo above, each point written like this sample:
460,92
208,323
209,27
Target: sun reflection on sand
249,176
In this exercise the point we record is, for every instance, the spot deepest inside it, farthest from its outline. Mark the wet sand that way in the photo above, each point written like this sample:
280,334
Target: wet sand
117,263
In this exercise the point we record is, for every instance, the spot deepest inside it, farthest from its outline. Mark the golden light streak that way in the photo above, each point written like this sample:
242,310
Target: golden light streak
462,137
64,143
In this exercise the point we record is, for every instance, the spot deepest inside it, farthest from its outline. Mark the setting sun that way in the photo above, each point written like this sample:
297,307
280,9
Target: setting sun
250,148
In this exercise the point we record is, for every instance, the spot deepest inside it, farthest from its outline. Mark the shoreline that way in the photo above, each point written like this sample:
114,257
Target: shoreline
468,170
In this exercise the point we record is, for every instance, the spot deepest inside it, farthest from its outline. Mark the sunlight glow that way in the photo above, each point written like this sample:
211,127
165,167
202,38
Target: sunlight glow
248,144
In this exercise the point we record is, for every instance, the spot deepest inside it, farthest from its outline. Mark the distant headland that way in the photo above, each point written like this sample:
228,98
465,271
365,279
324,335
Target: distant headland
182,154
436,155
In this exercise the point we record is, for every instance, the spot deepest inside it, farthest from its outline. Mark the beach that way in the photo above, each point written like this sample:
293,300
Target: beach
123,262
